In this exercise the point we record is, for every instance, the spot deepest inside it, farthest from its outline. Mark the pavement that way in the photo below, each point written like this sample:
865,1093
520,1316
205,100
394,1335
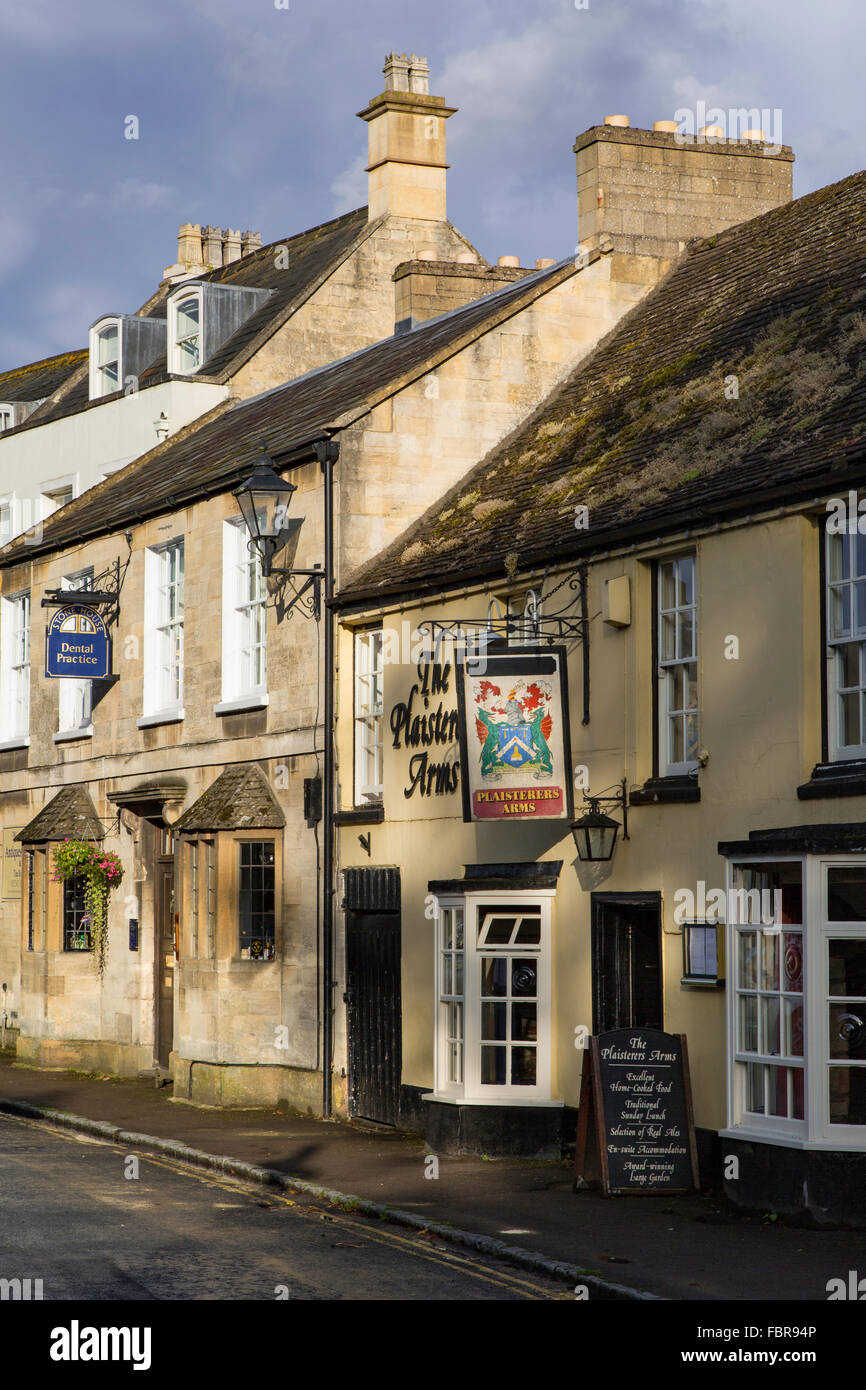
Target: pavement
691,1247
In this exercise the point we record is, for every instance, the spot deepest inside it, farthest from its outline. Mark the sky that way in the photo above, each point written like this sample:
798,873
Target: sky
246,117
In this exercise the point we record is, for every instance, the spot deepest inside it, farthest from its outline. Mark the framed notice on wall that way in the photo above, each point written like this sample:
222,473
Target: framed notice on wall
11,862
514,737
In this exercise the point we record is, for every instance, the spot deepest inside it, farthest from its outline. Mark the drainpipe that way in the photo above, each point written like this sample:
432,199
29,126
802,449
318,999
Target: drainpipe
328,452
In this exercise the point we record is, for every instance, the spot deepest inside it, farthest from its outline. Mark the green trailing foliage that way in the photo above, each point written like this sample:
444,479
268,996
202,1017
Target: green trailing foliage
101,871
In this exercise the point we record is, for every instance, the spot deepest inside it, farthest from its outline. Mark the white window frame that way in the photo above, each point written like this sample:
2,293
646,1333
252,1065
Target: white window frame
852,634
472,1091
98,387
815,1131
7,519
7,416
57,487
369,715
667,766
75,697
15,670
175,362
239,691
163,626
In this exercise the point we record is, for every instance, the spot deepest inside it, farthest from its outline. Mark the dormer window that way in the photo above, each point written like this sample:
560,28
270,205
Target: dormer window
186,335
7,417
204,316
122,346
107,376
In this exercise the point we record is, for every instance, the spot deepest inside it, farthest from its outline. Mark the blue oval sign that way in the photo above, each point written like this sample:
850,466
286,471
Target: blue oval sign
76,644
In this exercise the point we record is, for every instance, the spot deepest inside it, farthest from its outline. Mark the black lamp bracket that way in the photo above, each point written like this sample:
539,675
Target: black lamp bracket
613,800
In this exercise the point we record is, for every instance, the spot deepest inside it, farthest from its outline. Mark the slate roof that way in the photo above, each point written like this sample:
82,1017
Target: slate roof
642,433
239,799
69,815
217,451
312,256
40,379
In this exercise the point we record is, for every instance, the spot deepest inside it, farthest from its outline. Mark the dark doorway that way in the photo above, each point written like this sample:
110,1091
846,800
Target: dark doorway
626,961
373,1014
163,893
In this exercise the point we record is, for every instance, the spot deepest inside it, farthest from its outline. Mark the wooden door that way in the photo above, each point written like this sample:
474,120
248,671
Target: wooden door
374,1014
164,965
626,961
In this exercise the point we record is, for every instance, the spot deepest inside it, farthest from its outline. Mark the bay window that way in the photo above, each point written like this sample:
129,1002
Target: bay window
256,900
493,993
797,1009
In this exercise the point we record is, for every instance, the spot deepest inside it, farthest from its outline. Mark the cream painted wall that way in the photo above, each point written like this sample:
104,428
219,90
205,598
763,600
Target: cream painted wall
760,725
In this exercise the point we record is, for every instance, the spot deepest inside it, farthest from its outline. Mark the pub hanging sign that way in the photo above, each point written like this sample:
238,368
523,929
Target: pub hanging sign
76,644
514,736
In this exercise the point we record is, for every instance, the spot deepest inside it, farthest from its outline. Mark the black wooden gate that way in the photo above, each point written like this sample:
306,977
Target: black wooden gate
373,993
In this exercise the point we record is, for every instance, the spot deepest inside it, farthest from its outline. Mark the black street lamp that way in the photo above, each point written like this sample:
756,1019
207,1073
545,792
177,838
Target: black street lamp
595,833
264,501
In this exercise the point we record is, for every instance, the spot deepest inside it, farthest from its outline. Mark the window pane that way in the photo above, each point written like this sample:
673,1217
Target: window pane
686,635
748,1023
493,1021
840,610
666,586
848,1095
777,1079
846,896
748,960
769,961
793,1027
848,1031
838,557
793,962
523,1066
847,970
523,977
770,1026
493,1061
524,1022
755,1088
494,975
668,637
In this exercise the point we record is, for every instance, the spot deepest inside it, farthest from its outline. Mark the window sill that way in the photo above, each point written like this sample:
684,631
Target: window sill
510,1099
68,735
690,982
835,779
243,702
165,716
22,741
662,790
789,1141
361,815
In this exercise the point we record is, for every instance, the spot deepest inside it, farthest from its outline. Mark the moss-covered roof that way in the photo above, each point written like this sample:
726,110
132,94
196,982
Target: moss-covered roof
70,815
40,379
239,799
739,380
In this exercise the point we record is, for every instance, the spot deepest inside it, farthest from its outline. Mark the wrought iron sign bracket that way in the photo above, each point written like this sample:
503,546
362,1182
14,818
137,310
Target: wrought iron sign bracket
104,593
613,800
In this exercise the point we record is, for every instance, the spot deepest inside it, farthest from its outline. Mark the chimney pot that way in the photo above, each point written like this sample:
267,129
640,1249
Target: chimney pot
617,120
544,263
251,242
231,246
715,131
419,74
189,244
396,72
212,246
753,135
466,258
509,260
670,127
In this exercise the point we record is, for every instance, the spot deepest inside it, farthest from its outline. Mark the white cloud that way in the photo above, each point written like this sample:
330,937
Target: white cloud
349,188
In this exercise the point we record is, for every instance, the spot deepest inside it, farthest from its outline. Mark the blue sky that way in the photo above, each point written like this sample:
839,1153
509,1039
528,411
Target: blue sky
247,119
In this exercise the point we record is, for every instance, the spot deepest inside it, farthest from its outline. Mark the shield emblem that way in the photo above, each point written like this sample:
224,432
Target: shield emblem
514,747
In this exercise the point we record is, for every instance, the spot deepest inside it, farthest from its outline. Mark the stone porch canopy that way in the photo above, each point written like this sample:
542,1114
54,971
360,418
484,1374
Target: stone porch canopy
239,799
70,815
218,450
736,387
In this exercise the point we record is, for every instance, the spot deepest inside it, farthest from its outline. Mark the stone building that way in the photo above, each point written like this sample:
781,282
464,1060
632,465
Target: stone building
679,525
196,761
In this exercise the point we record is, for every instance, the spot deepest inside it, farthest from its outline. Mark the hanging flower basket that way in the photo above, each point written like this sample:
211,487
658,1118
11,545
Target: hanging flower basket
100,871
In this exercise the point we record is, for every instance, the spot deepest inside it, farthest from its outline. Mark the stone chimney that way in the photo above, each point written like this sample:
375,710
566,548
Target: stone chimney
406,168
651,191
212,247
231,246
201,251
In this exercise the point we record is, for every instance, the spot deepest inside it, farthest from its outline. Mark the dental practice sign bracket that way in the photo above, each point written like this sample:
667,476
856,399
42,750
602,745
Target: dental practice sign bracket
514,736
77,644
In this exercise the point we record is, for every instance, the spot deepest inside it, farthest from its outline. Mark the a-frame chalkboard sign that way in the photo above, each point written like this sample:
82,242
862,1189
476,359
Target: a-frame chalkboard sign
636,1084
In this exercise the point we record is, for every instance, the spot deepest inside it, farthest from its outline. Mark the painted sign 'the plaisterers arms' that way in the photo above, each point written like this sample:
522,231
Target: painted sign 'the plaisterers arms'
515,746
